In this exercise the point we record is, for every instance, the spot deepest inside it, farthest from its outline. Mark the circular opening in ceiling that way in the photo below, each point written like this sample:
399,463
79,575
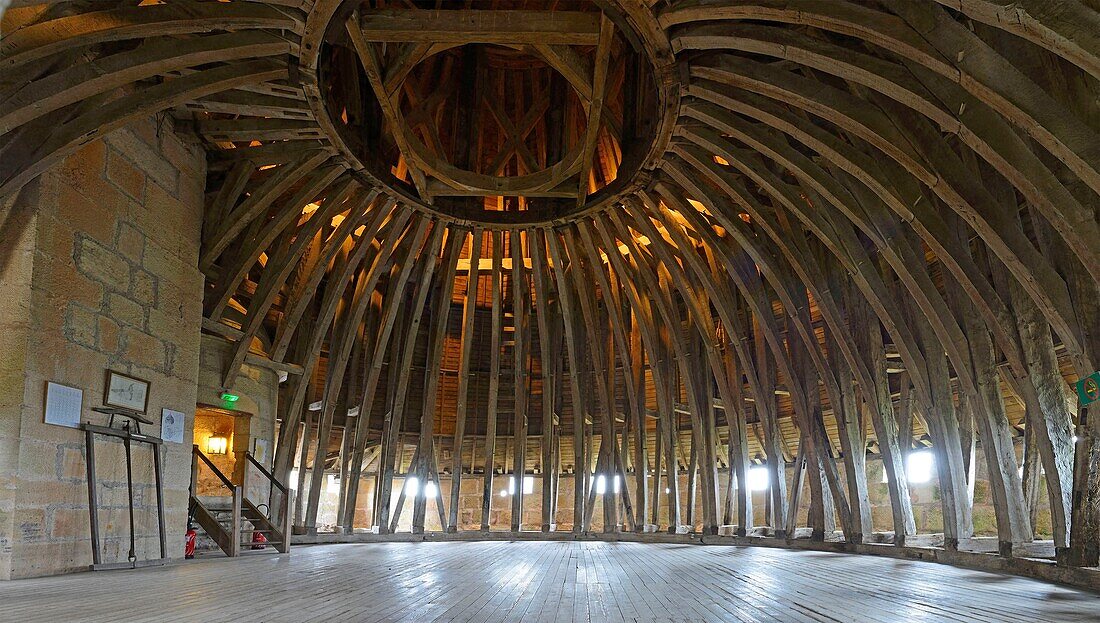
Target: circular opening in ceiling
493,115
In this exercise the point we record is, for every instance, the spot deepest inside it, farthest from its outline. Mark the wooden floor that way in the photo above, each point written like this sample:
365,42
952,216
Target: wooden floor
540,581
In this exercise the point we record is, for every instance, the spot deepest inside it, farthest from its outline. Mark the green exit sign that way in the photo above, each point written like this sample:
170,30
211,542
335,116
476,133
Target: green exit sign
1088,388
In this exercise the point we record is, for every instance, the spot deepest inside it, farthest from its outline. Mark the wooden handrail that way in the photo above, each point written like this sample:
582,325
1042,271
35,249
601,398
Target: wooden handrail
265,472
217,472
279,520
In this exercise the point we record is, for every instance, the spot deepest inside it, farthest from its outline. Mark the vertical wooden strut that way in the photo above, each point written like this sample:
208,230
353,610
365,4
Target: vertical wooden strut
656,278
521,319
655,340
441,308
641,450
315,328
893,440
596,344
609,286
547,364
494,382
341,341
391,303
466,346
568,307
426,262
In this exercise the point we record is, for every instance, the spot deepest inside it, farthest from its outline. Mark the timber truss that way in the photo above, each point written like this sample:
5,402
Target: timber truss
844,229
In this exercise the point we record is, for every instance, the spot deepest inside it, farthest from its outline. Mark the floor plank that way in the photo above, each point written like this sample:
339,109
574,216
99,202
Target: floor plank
544,581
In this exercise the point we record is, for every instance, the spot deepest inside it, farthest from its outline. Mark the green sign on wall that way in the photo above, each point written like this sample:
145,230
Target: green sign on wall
1088,388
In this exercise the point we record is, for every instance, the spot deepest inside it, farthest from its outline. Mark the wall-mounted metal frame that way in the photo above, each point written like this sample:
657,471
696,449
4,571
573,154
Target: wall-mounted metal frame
128,438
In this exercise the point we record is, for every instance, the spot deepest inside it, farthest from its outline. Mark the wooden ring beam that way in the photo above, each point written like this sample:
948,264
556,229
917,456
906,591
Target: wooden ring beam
463,179
636,25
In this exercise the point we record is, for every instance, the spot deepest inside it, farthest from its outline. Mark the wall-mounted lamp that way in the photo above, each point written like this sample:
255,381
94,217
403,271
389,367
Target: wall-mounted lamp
217,445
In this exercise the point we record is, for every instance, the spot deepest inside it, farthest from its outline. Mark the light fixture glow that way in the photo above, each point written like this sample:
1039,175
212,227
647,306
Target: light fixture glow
615,487
227,397
217,445
431,491
758,478
412,486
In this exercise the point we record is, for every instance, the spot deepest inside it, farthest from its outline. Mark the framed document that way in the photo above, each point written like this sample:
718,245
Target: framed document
126,392
63,405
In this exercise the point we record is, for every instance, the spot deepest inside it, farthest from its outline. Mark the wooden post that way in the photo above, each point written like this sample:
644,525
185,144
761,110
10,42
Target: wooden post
547,363
573,351
494,381
437,331
521,319
466,346
426,263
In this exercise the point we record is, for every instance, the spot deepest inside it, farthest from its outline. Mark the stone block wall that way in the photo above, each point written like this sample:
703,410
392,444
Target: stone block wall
103,275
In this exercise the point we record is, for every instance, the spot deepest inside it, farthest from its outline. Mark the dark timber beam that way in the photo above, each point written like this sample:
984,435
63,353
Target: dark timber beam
480,26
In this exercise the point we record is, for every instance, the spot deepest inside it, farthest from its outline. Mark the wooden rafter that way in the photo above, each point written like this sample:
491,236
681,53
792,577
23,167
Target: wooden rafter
480,26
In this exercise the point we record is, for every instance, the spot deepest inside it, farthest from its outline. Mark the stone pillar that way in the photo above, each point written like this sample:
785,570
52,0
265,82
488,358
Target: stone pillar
99,265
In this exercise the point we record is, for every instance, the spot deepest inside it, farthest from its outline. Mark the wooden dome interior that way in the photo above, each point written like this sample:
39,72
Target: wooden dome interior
538,236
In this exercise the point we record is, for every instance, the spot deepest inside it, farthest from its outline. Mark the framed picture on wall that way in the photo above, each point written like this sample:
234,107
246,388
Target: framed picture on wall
126,392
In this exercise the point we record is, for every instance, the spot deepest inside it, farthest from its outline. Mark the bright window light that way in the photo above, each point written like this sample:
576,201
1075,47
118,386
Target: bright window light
294,480
528,485
431,490
617,484
333,484
601,484
412,486
918,467
758,478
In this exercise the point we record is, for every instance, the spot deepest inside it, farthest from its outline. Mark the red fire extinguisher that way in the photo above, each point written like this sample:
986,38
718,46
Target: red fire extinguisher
189,542
258,538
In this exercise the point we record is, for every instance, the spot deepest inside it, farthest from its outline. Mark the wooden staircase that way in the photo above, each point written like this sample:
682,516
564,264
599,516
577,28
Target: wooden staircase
232,526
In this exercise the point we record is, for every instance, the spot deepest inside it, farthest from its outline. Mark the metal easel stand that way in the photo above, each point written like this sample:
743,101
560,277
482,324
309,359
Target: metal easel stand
129,432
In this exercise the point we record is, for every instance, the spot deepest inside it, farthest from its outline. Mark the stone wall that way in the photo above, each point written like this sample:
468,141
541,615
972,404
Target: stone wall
103,275
254,414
